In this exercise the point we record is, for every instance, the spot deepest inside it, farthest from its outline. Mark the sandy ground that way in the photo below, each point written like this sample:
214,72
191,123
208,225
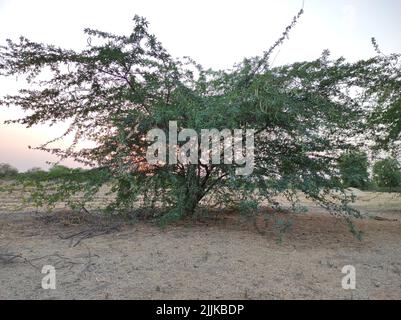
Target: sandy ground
214,258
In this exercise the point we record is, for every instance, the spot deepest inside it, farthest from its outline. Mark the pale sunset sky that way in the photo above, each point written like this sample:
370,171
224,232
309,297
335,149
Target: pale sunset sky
215,33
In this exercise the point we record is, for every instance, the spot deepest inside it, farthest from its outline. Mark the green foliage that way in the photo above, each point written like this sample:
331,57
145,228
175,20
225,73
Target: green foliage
7,171
248,207
385,120
387,173
61,184
354,169
59,170
352,228
304,114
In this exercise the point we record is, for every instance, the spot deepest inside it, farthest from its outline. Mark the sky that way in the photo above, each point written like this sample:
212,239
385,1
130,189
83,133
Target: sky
216,34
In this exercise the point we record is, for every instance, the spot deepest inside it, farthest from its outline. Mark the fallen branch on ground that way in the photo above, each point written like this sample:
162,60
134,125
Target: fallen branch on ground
9,257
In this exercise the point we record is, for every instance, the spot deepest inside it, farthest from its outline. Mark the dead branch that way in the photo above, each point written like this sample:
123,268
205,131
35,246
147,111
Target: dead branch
90,233
10,257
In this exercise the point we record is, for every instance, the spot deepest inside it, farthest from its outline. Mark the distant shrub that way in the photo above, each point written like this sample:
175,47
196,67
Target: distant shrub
354,169
59,170
7,171
55,173
36,172
387,173
35,169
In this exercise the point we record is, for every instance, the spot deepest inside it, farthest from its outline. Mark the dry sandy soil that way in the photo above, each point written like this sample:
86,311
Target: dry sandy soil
220,257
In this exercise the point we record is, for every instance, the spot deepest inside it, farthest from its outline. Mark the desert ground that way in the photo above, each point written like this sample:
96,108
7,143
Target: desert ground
218,256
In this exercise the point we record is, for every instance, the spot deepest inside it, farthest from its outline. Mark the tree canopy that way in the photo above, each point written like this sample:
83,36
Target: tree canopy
305,116
354,169
387,173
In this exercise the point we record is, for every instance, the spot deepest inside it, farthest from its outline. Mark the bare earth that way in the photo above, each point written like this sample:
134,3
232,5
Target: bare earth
218,257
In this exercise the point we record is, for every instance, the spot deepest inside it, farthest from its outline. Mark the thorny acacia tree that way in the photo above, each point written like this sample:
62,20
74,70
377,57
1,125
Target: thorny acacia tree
305,115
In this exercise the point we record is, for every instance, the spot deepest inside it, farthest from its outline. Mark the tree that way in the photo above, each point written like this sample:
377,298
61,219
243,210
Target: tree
7,171
114,92
354,169
387,173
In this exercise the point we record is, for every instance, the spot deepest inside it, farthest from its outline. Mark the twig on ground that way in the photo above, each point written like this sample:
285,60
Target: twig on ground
94,233
384,219
8,257
12,257
90,233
